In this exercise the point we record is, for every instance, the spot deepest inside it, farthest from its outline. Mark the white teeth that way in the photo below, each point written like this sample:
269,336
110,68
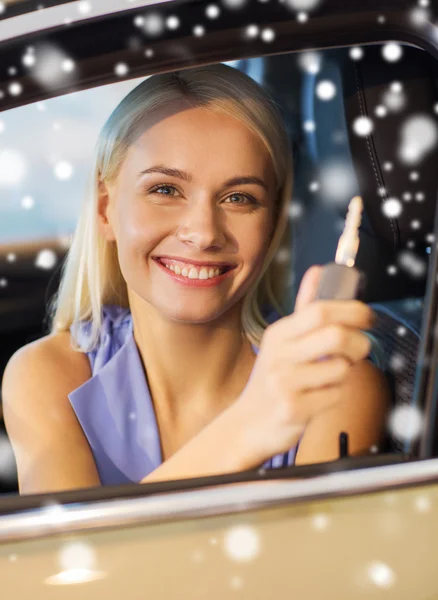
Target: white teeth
193,272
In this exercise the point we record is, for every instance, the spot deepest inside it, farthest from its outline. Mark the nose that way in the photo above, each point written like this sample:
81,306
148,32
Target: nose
202,225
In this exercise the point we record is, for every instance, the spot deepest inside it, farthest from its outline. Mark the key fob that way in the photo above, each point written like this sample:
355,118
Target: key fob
339,282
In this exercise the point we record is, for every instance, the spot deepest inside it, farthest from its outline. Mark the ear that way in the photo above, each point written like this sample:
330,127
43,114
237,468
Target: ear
104,212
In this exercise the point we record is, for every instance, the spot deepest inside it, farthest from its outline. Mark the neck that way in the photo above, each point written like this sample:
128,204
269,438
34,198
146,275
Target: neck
204,366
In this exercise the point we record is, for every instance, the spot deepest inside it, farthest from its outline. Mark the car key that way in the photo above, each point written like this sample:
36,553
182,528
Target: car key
340,280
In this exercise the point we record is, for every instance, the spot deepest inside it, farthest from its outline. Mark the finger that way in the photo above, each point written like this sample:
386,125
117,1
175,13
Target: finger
311,376
312,403
331,340
308,287
319,314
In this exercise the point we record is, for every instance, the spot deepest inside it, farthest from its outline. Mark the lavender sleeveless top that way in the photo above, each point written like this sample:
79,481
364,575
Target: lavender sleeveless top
115,409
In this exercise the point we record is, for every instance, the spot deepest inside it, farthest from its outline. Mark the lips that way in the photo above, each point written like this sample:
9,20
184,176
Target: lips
188,264
193,275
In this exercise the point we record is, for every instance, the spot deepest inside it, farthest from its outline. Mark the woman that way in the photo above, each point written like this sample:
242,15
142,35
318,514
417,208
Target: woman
160,364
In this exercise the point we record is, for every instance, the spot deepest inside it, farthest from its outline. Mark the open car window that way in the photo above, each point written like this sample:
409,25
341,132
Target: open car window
348,111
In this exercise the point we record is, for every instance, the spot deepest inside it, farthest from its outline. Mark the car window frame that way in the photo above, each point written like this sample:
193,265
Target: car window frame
335,25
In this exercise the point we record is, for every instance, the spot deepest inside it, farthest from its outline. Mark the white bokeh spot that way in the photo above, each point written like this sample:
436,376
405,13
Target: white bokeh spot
13,167
406,423
392,52
46,259
381,574
242,543
172,22
356,53
392,208
15,88
63,170
212,11
27,202
363,126
153,24
326,90
310,62
268,34
121,69
419,136
302,5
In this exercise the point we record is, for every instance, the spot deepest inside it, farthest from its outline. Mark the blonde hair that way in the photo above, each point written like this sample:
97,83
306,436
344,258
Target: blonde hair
91,276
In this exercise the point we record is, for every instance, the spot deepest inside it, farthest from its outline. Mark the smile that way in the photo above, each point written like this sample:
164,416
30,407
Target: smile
194,274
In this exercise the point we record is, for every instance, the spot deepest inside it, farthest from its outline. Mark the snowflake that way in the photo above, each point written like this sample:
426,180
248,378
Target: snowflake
356,53
84,7
27,202
381,574
242,543
392,52
303,5
46,259
63,170
153,24
15,88
381,111
212,11
12,167
406,423
423,504
363,126
77,555
172,22
392,208
320,522
268,34
252,31
198,30
234,4
68,65
326,90
29,59
121,69
310,62
419,136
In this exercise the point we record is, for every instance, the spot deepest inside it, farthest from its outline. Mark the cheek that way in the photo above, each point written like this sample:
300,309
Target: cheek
254,242
138,230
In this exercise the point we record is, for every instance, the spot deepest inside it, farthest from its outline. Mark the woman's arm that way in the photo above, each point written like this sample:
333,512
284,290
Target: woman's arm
362,413
51,450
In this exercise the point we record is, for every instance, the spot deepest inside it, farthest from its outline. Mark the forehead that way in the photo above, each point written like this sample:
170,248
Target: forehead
203,142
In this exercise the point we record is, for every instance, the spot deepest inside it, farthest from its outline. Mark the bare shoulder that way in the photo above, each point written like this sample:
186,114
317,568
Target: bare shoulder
49,363
51,450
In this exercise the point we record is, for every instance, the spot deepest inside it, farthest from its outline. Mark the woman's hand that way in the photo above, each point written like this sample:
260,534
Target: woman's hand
303,362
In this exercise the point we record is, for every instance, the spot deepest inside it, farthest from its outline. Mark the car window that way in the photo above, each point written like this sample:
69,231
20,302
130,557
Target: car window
45,153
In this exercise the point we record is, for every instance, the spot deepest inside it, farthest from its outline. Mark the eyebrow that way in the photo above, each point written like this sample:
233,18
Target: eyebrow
187,177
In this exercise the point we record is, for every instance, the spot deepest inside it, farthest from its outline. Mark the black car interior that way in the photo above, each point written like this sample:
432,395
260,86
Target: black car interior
397,296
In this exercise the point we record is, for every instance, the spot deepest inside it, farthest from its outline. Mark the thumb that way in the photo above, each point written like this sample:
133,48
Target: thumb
308,287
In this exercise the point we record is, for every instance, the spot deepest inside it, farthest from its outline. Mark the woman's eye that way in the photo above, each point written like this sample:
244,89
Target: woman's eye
164,190
241,199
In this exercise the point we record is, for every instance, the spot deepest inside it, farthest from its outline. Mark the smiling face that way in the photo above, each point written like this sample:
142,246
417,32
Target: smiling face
192,214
